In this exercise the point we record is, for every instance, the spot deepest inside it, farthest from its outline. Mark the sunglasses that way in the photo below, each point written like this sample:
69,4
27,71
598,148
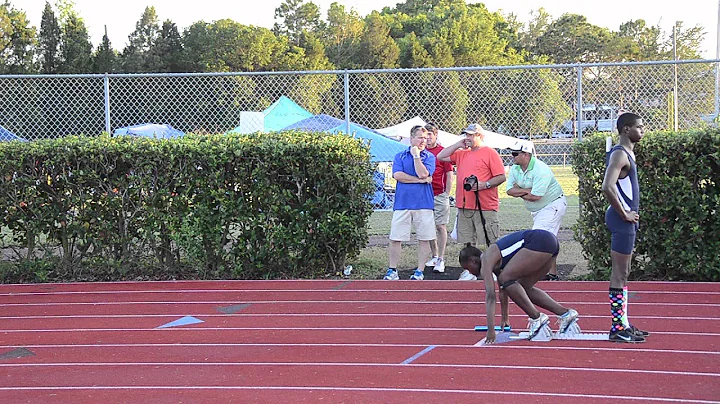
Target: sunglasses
515,153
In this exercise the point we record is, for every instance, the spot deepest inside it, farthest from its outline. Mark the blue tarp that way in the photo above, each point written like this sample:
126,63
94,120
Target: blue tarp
381,148
282,113
6,136
150,130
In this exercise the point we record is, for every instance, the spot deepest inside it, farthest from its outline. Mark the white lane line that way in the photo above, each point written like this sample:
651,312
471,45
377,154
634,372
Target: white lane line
200,328
276,315
355,364
356,345
345,291
414,302
355,389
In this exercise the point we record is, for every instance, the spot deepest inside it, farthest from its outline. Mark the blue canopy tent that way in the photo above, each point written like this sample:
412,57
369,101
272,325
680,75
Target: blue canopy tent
7,136
282,113
381,148
150,130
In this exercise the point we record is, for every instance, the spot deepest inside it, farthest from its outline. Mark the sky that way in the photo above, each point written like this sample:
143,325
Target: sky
121,16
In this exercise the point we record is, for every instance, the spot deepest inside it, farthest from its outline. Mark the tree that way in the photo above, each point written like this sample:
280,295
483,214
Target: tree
342,35
136,57
571,39
413,53
535,28
105,58
168,49
377,49
17,38
643,42
296,17
49,41
76,47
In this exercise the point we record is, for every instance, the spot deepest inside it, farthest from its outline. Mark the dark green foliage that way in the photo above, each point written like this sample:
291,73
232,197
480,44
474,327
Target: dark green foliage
679,235
240,207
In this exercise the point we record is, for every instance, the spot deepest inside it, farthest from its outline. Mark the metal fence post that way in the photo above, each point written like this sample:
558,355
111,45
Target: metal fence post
107,102
347,102
579,114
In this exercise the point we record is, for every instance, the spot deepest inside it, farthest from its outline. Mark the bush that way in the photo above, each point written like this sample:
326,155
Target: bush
679,234
239,206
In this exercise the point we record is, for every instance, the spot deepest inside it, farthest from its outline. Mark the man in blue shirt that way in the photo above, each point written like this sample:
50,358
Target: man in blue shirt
414,203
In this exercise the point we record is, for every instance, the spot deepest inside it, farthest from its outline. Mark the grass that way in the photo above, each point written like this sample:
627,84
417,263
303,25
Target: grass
512,216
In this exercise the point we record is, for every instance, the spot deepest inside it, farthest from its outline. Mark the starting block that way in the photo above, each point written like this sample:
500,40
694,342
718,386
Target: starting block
574,333
544,335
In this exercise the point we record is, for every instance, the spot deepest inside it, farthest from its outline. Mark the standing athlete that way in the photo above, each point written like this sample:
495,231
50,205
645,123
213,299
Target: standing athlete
622,191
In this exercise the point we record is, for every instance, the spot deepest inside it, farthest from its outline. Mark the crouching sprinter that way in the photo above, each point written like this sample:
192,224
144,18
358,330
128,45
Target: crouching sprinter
518,260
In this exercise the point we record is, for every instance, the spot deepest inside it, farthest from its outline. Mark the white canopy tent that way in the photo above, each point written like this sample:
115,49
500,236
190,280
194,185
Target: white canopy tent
401,132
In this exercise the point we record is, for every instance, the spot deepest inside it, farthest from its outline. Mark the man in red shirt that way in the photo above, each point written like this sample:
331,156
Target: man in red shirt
441,185
479,172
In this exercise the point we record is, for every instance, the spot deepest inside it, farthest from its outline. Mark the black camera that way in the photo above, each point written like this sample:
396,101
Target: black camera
470,182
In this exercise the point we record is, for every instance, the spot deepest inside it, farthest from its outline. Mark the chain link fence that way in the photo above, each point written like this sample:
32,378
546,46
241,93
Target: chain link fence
553,105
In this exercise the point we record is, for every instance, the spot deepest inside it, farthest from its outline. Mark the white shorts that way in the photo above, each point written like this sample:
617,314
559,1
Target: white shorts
403,220
550,217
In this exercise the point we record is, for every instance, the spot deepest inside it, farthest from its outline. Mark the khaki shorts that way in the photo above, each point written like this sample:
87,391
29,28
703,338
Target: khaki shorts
442,209
470,227
404,220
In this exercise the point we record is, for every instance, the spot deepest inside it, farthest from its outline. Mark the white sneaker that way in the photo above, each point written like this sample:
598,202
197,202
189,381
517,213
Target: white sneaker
566,320
534,326
432,262
467,276
417,276
440,266
391,275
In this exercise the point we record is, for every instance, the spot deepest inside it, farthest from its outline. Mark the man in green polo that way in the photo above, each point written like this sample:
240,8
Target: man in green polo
532,180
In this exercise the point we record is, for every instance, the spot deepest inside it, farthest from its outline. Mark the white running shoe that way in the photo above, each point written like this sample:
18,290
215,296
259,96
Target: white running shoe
417,276
566,320
432,262
534,326
467,276
391,275
440,266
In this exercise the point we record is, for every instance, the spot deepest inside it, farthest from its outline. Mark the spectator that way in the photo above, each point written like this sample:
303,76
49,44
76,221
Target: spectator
533,181
479,172
441,185
413,170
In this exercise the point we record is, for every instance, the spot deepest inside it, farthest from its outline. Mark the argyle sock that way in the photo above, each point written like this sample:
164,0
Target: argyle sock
616,309
625,321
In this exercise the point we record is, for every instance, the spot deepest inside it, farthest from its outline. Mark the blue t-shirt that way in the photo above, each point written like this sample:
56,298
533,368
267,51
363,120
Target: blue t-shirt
413,196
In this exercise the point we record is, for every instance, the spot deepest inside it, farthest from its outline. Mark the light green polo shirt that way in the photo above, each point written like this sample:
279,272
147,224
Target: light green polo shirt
540,178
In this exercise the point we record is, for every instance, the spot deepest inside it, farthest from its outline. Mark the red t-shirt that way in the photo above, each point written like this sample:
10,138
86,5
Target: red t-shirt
441,169
484,163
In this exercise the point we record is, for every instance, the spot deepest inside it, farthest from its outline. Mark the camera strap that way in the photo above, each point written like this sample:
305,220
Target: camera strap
482,217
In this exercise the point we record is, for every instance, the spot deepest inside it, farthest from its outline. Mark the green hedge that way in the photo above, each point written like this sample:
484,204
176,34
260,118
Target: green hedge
679,236
287,204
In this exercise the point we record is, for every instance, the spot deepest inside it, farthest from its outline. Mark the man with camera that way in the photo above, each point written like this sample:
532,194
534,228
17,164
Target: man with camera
533,181
413,170
479,171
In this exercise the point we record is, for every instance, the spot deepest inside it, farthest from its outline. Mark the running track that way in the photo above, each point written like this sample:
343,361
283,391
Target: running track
343,341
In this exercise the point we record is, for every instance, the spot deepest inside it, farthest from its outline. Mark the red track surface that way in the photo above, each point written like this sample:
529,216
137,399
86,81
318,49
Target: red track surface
340,341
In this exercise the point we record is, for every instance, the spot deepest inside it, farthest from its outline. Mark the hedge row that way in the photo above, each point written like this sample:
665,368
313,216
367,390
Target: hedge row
679,236
236,207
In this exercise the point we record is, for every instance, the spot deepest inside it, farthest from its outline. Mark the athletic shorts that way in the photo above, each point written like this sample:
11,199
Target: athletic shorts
542,241
623,233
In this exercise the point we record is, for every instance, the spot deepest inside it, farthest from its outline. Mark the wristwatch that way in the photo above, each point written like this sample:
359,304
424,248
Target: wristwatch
487,185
